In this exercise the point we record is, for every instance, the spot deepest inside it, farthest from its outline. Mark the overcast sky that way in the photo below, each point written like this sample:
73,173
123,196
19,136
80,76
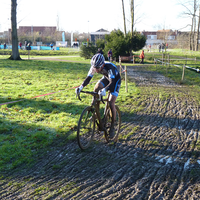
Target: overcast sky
91,15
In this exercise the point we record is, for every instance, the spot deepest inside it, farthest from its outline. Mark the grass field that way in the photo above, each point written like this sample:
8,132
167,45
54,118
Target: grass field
32,125
46,110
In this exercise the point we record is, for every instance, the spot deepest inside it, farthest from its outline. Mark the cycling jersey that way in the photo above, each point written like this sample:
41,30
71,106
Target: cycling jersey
111,78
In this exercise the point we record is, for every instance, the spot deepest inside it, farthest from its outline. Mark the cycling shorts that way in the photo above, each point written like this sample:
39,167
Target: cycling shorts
115,87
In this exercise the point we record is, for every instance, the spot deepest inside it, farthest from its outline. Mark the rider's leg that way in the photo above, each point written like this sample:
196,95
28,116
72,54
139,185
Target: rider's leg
98,87
112,100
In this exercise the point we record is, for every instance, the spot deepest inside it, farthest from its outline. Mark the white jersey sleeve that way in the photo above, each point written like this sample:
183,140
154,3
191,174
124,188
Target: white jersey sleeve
91,71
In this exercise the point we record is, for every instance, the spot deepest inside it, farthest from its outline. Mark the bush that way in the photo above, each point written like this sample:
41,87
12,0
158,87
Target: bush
88,51
124,45
121,45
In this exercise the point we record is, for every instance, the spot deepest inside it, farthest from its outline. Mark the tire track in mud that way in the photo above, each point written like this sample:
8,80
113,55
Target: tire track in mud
159,159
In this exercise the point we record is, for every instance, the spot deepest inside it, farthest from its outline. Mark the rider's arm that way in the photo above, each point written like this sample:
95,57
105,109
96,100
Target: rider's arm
89,77
86,81
111,78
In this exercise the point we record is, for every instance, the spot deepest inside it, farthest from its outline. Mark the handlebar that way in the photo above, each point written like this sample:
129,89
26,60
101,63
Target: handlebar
92,93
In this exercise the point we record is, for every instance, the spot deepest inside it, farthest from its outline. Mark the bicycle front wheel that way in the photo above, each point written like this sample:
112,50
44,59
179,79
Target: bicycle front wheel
117,125
86,128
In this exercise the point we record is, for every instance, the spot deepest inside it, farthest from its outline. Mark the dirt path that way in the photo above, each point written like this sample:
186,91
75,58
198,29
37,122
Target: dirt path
157,156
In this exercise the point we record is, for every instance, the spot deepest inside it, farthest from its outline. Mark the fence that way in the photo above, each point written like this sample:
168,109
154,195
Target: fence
168,60
123,70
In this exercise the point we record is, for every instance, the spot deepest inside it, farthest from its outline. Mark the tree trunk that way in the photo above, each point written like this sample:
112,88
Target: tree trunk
191,35
194,26
197,36
132,17
15,51
124,17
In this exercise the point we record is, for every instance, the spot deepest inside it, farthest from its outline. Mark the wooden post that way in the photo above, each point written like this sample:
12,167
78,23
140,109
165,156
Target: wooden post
133,59
28,53
120,66
156,62
195,60
162,58
126,81
183,73
168,60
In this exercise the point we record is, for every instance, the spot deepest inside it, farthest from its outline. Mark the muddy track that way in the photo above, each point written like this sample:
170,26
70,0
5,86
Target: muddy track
157,156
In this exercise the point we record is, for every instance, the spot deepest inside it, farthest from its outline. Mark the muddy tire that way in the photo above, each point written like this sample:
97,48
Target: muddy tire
108,120
86,128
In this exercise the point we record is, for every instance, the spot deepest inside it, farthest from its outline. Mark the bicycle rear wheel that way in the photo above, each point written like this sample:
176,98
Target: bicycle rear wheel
86,128
117,125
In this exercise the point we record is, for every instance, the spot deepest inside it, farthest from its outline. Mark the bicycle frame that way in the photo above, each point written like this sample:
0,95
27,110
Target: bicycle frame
91,117
95,103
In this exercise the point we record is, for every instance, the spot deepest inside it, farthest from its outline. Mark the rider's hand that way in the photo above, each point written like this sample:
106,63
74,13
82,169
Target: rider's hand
102,92
78,90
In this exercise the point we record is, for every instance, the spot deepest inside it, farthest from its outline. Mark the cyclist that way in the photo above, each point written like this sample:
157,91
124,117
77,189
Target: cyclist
111,80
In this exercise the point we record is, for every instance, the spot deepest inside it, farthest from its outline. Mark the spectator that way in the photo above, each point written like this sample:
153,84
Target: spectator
25,45
20,45
142,57
4,45
163,47
100,51
150,48
109,54
159,46
28,46
51,45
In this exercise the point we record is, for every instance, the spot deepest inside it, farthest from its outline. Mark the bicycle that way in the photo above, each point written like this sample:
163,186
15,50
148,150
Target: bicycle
91,118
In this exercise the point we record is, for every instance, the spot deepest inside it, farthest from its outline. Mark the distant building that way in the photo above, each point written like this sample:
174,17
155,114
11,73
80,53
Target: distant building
160,36
40,29
100,34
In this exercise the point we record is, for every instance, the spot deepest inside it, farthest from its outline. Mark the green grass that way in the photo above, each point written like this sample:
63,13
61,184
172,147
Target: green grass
62,52
30,127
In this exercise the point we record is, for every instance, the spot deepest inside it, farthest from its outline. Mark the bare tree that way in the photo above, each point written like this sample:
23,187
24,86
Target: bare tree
197,35
194,25
124,17
15,51
132,16
191,12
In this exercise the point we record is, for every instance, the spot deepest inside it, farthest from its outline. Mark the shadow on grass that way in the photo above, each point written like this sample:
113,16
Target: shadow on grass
23,136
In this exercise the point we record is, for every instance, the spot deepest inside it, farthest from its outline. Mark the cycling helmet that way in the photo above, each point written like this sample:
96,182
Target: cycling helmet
97,60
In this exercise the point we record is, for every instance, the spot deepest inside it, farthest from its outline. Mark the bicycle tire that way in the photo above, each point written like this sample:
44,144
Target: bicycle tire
86,128
117,125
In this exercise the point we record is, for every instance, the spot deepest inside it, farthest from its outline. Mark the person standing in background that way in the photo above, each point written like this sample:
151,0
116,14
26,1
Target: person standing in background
142,57
109,54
